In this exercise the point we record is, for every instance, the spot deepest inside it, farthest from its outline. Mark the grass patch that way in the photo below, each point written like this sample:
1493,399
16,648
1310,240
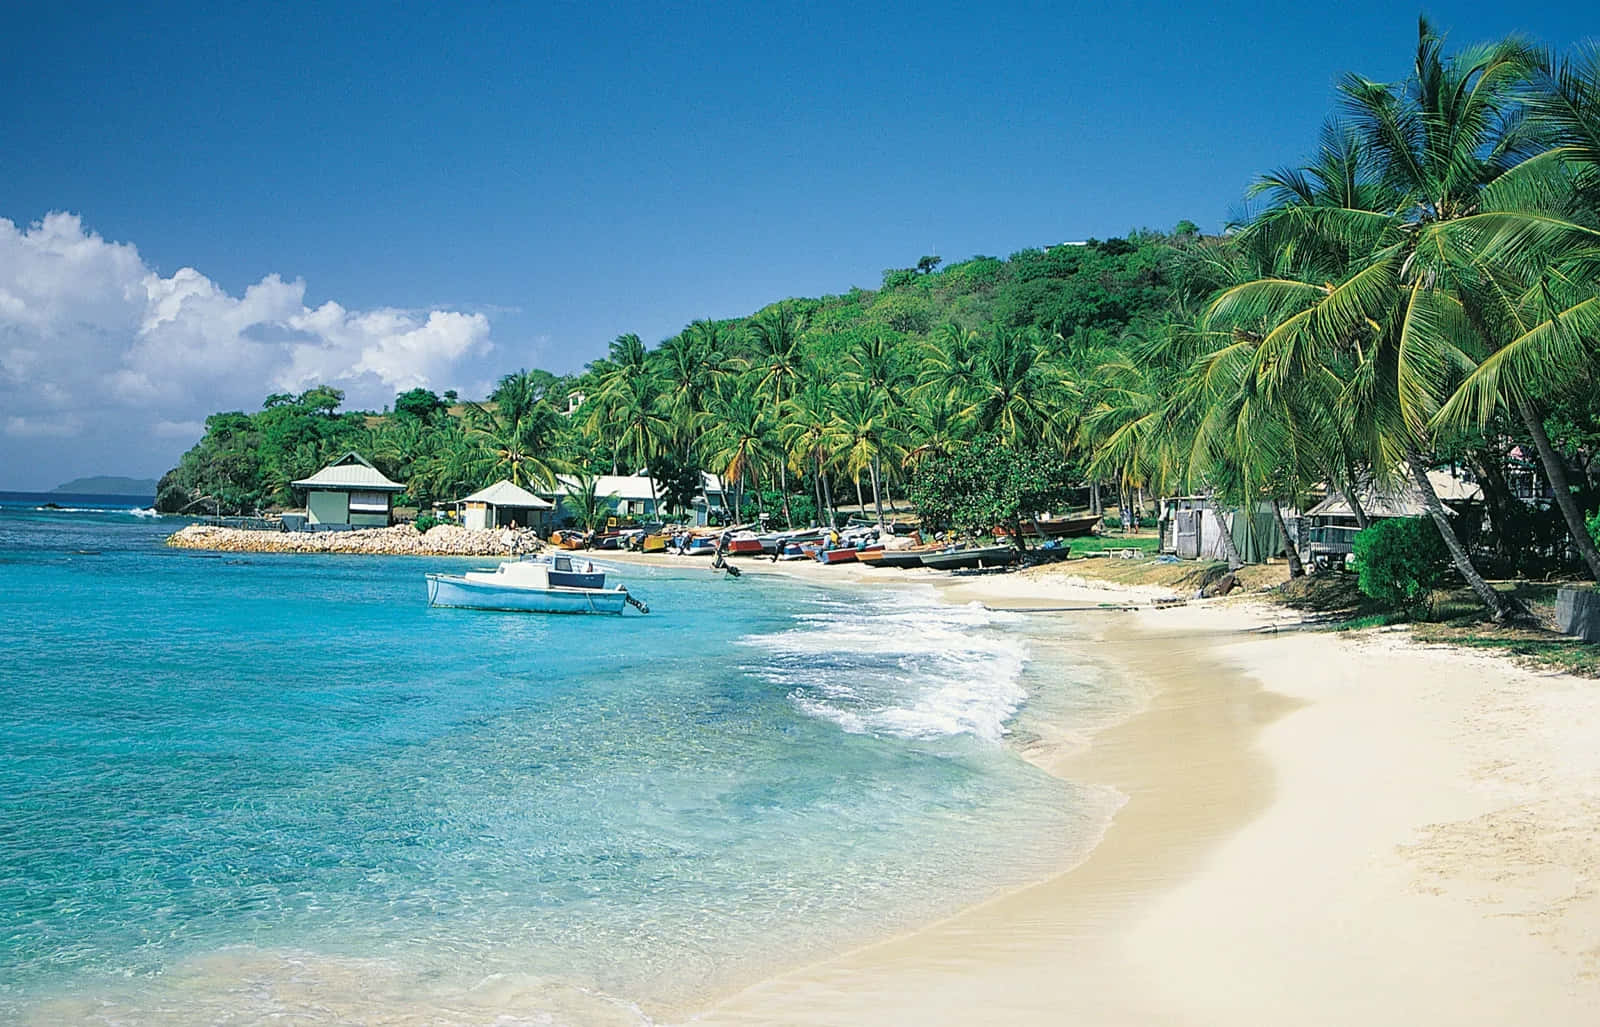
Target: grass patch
1531,647
1145,544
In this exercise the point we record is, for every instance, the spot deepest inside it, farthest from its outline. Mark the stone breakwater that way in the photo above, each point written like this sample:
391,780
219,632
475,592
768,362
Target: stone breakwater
400,540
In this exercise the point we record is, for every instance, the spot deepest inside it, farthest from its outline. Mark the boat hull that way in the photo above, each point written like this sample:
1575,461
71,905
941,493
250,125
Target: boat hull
967,559
450,590
832,556
891,558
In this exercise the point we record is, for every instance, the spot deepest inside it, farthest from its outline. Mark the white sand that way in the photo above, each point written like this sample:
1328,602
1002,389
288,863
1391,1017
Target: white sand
1320,830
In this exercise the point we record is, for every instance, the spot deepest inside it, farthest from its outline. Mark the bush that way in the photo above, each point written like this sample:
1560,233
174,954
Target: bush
425,522
1594,527
1401,560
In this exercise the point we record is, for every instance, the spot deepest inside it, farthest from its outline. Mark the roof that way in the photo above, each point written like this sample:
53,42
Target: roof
504,493
1403,502
622,486
351,471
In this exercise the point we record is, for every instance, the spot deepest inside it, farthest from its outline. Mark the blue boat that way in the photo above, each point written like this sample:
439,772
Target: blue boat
528,586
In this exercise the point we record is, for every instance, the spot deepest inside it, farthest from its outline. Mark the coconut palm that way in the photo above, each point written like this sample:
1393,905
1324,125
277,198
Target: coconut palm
1361,290
739,438
775,369
518,434
809,433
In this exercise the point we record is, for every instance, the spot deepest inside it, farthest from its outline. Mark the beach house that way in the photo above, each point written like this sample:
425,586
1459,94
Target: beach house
349,492
502,505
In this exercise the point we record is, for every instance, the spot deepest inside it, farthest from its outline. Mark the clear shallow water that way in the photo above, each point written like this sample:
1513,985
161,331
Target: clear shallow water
246,786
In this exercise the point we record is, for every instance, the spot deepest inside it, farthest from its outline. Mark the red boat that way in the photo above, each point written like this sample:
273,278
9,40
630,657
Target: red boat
747,545
836,555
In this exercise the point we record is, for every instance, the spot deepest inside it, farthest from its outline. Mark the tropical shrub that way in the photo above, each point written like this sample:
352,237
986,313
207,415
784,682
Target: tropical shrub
1401,560
425,522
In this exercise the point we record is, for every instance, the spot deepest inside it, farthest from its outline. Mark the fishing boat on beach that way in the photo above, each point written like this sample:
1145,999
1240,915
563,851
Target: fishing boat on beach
1064,527
969,558
549,584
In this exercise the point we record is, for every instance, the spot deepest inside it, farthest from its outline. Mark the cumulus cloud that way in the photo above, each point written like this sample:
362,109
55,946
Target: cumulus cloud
95,343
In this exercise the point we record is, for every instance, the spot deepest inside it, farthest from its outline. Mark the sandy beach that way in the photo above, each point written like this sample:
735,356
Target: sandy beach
1320,828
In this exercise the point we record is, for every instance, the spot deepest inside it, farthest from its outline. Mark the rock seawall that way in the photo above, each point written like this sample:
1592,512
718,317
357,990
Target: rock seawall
400,540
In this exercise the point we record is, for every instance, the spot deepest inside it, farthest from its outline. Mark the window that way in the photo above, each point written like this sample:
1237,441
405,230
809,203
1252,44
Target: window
369,502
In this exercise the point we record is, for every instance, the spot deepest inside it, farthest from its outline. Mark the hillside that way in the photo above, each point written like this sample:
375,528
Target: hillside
108,485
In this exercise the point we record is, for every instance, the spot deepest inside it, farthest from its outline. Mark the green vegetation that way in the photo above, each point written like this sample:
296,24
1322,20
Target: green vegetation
1401,561
424,523
1425,290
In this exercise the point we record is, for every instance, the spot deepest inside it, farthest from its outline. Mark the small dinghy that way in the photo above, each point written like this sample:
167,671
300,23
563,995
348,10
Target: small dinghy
539,585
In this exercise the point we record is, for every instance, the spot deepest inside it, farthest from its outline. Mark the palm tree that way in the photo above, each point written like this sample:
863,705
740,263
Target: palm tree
639,425
518,438
809,433
1016,386
1359,289
738,438
775,371
866,434
584,503
1524,269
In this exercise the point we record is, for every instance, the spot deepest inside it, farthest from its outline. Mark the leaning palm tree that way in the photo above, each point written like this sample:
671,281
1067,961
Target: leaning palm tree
1359,290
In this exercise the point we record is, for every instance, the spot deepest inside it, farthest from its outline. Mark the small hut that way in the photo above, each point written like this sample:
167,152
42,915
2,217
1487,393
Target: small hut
349,492
502,505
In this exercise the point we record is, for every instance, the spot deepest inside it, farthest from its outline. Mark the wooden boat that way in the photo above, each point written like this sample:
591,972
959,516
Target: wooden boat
701,545
900,557
528,586
963,559
832,556
774,541
655,542
799,550
568,539
745,544
1064,527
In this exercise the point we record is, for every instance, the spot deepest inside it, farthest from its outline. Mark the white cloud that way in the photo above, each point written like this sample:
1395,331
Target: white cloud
94,342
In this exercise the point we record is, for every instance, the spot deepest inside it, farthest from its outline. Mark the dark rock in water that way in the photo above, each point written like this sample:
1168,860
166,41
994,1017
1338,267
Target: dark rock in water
51,506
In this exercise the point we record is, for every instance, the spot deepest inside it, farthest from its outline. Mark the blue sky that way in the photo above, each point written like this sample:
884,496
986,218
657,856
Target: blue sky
554,175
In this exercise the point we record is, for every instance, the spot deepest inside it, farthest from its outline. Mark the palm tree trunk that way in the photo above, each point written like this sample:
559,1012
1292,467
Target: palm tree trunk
861,499
877,499
1556,470
1231,551
783,485
1094,498
822,508
1363,522
1501,608
1296,568
827,493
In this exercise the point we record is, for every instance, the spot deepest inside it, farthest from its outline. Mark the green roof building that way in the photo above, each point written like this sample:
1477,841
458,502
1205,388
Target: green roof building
350,492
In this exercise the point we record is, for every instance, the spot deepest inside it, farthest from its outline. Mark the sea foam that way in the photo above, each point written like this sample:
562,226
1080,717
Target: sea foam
900,663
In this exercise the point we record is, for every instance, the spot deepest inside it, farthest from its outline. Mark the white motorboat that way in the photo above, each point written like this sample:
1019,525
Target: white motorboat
530,586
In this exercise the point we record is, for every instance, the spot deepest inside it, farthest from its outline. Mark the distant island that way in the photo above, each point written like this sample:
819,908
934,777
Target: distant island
106,485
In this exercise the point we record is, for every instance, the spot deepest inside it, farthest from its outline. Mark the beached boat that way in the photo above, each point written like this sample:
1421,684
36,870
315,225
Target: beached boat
773,542
832,556
566,538
700,545
526,586
655,542
898,557
1065,527
964,559
745,543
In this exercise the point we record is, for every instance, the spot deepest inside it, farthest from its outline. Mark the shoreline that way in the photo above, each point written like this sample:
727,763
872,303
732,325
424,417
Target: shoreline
1319,828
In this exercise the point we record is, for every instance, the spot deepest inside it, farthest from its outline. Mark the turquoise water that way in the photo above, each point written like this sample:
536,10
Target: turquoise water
254,786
